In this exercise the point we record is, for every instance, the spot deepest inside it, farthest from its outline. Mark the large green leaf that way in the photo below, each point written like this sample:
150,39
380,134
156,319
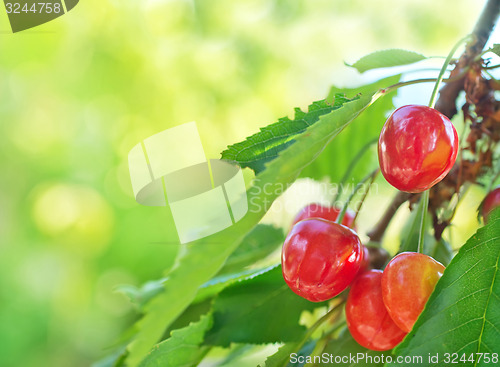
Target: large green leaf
282,357
200,260
336,158
202,303
183,348
256,150
463,313
289,355
258,244
387,58
258,310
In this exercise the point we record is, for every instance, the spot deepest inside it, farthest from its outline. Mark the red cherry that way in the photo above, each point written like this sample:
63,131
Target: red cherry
320,258
407,284
330,213
367,318
491,202
417,148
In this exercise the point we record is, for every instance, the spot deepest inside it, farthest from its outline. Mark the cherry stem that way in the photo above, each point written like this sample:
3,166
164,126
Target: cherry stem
434,94
423,218
390,88
371,176
351,167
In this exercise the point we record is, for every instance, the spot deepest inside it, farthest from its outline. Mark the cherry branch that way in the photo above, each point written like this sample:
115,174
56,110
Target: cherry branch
448,95
378,231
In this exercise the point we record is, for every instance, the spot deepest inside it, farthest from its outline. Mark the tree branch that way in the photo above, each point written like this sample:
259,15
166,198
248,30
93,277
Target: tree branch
446,103
377,233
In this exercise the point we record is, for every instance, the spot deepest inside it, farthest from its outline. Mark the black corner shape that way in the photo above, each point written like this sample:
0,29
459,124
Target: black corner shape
25,14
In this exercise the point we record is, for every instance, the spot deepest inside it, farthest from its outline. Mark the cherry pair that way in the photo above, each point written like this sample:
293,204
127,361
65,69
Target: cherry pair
382,307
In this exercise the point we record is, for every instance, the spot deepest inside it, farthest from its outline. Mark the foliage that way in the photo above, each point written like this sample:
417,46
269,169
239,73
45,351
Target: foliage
182,348
208,255
266,145
336,158
258,310
241,304
386,58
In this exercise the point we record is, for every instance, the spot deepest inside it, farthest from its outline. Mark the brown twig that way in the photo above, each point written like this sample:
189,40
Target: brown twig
377,233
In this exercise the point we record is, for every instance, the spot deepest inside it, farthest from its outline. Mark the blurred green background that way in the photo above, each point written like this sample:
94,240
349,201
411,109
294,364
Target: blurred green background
78,93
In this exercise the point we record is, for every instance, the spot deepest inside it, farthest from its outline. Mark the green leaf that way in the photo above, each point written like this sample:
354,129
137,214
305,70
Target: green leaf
255,151
237,352
115,359
258,244
336,158
305,351
139,297
496,49
386,58
282,357
463,313
345,348
200,260
220,282
182,348
258,310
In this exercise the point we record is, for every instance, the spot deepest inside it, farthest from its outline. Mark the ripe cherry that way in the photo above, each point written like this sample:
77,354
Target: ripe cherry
417,148
491,202
330,213
407,283
367,318
320,258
